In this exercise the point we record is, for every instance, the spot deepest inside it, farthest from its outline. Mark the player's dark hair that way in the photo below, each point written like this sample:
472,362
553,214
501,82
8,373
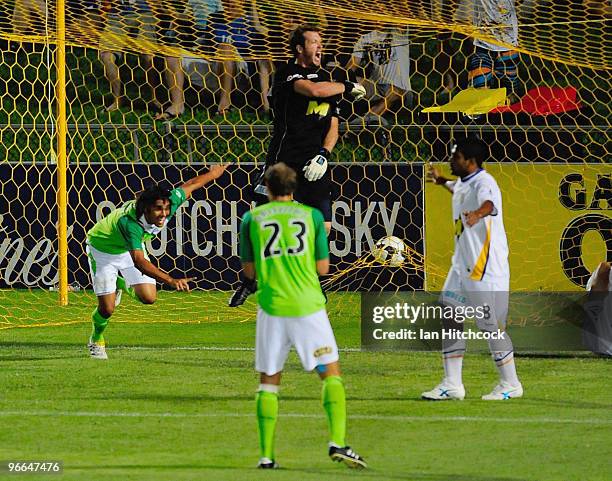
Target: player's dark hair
149,196
473,148
297,37
281,179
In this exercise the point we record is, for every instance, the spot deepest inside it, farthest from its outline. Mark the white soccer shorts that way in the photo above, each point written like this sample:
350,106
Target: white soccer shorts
104,269
462,291
311,335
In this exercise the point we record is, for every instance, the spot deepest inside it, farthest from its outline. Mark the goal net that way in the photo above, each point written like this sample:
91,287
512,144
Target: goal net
158,91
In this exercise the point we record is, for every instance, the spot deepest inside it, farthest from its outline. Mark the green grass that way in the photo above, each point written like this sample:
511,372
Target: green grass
538,322
165,408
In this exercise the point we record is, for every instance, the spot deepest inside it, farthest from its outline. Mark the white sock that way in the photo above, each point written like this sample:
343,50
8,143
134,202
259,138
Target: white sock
453,363
502,352
273,388
504,360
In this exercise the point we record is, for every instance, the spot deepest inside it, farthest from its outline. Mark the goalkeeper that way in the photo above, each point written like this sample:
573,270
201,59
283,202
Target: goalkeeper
304,102
116,244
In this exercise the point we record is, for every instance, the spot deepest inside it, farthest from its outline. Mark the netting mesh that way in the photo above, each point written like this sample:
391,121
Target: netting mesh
158,90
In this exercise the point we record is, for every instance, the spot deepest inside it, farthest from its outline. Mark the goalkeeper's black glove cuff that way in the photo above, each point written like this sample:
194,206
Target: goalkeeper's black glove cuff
250,284
248,287
348,88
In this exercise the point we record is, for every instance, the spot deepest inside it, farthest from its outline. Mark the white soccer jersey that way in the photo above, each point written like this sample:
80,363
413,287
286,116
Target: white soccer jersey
463,11
481,251
390,53
498,19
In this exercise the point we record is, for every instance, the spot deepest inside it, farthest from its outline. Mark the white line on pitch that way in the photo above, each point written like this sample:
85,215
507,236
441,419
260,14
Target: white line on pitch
202,348
373,417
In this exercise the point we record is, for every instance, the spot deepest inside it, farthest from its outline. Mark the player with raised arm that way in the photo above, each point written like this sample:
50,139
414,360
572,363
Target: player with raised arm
116,244
284,245
480,274
304,102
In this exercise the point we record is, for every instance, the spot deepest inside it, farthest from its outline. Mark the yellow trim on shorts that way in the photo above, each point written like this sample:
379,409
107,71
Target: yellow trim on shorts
483,259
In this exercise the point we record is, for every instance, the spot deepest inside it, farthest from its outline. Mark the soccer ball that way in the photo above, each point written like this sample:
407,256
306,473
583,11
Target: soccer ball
389,251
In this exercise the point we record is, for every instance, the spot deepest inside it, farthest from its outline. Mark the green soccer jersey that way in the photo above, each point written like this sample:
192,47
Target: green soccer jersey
120,231
284,240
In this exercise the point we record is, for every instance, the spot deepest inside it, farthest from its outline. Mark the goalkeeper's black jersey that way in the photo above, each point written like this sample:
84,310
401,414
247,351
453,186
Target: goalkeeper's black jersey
300,123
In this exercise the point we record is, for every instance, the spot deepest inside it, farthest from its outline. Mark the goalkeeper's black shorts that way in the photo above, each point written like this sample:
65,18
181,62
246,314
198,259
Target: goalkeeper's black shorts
315,194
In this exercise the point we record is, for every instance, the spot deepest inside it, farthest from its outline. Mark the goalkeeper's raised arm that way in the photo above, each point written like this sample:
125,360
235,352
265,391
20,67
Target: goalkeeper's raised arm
351,90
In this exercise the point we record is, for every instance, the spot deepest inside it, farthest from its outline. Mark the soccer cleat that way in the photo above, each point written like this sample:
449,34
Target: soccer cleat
504,391
118,295
97,350
445,392
347,456
265,463
240,295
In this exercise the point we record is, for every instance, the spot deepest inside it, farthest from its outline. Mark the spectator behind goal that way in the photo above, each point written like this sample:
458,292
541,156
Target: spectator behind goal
133,19
496,18
381,61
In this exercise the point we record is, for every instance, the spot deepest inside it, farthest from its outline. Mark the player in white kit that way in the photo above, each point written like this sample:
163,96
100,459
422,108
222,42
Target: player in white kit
597,329
479,275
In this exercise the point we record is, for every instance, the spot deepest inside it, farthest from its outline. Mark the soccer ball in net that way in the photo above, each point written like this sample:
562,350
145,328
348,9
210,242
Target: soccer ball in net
389,251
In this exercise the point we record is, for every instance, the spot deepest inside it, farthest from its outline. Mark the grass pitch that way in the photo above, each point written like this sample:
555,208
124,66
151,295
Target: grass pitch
176,402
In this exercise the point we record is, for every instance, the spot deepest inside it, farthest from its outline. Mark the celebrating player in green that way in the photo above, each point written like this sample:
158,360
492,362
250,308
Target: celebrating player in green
116,244
284,243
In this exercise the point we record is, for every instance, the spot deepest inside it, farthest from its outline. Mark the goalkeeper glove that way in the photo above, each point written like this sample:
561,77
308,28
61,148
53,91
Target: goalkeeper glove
355,90
316,167
248,287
